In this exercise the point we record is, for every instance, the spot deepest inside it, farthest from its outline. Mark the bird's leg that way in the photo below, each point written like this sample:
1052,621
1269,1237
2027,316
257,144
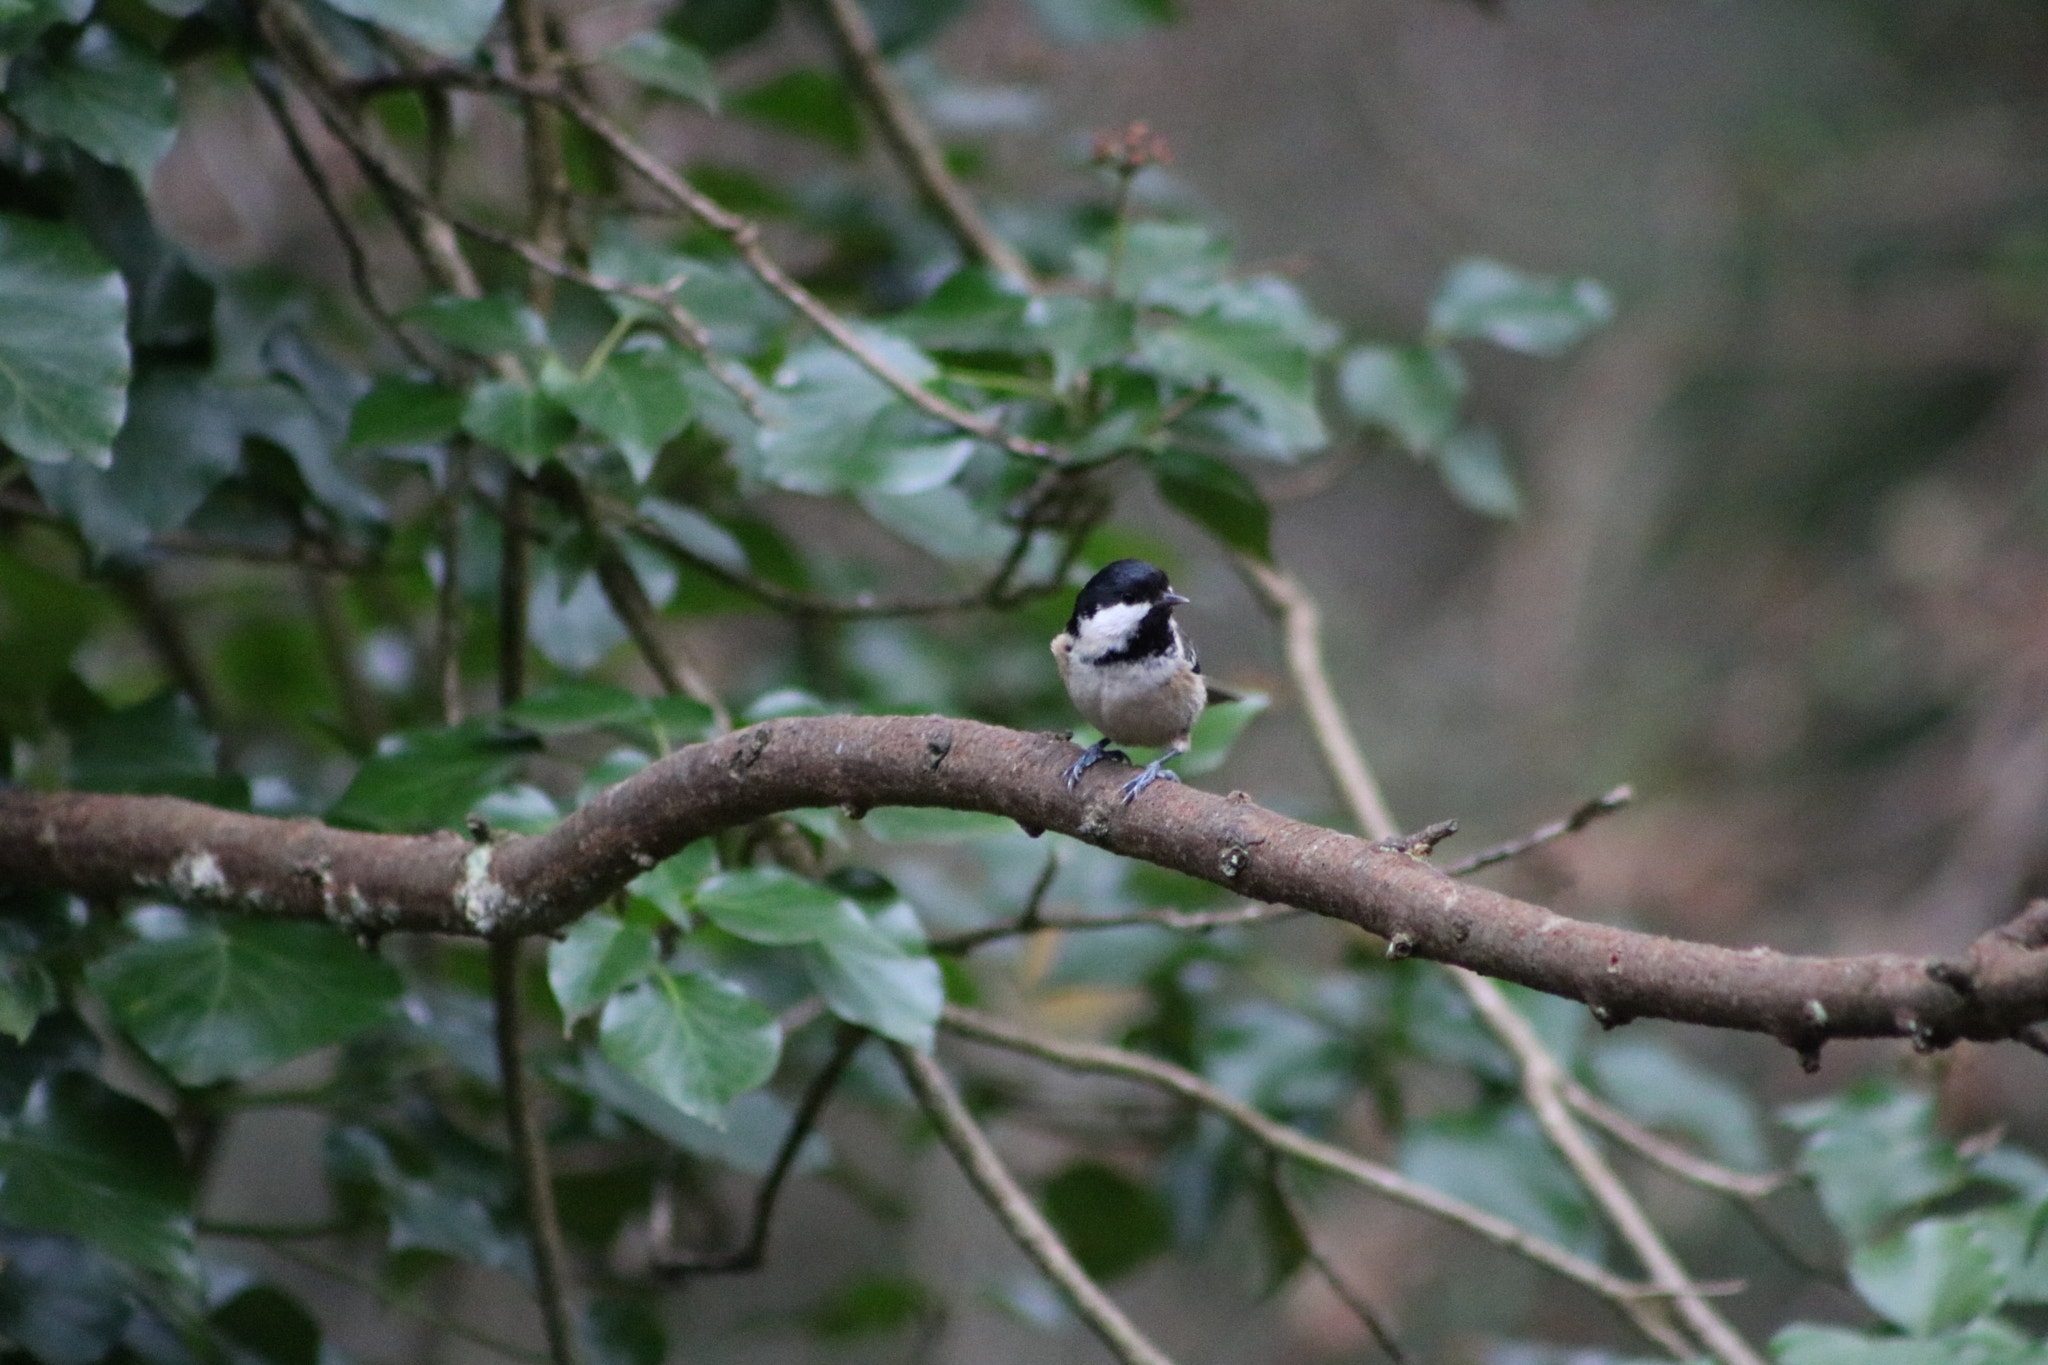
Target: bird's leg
1091,756
1155,771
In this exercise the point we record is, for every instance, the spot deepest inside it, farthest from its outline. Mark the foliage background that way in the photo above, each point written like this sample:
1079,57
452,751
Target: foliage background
1778,565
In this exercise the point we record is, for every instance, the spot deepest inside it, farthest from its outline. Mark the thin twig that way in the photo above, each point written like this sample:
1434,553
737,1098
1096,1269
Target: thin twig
1289,1142
1188,921
547,175
1542,1076
1669,1155
912,140
530,1154
1276,1175
1301,630
1020,1218
438,1321
754,1251
448,601
1585,814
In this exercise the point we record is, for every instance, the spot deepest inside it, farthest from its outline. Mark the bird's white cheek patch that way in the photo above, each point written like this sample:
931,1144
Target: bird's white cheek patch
1110,629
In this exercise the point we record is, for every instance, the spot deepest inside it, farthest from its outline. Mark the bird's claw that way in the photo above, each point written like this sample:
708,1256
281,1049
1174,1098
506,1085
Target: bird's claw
1091,756
1153,772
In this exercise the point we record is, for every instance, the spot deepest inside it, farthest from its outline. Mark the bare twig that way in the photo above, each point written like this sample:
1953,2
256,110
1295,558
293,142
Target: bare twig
1669,1155
753,1252
1626,1295
1352,1299
1583,815
1301,629
1190,921
1542,1077
530,1156
912,140
999,1189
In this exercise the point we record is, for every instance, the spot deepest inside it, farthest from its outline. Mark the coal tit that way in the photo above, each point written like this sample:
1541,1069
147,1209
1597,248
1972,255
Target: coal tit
1129,670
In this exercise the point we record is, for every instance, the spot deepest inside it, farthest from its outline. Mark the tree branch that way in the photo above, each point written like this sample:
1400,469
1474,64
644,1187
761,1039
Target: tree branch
992,1180
103,845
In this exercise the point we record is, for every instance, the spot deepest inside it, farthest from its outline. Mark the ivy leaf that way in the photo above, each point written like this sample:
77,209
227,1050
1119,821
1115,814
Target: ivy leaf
1081,334
157,746
1500,1162
836,428
269,1325
61,1300
1874,1152
882,977
637,400
180,441
1662,1088
1257,362
1415,392
577,705
1936,1273
518,419
230,999
808,103
452,28
599,956
1215,496
697,533
694,1040
27,993
1526,313
1111,1223
1217,731
653,58
93,1164
496,324
1475,469
64,352
773,906
21,21
405,412
434,1211
109,95
429,779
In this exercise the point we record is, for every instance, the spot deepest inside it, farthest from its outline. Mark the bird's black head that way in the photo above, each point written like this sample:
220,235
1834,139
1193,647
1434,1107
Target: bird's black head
1127,581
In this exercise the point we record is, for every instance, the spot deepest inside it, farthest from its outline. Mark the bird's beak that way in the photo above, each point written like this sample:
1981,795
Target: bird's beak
1174,599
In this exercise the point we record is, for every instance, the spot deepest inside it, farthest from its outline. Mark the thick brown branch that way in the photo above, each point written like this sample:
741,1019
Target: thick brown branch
95,845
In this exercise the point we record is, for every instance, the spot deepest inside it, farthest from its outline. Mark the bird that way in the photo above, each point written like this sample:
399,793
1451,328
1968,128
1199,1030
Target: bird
1129,670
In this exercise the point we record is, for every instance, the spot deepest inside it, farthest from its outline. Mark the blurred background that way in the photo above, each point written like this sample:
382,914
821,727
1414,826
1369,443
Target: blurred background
1780,562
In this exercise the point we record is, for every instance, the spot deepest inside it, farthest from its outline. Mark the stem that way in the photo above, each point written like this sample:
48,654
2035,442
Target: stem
529,1152
448,601
1020,1218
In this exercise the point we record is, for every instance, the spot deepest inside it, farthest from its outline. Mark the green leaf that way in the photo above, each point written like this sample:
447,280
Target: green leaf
636,400
60,1300
1527,313
496,324
92,1164
836,428
231,999
22,21
429,779
694,1040
755,1124
270,1326
719,26
180,441
109,95
697,533
442,1210
1101,21
452,28
1501,1162
158,746
1415,392
405,412
882,978
1986,1342
1936,1273
670,885
774,906
933,825
1873,1153
1182,267
518,419
1111,1223
1259,363
44,617
599,956
1081,334
1475,469
653,58
577,705
619,1332
1663,1089
1215,496
870,1305
1217,731
808,103
975,309
64,351
27,993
